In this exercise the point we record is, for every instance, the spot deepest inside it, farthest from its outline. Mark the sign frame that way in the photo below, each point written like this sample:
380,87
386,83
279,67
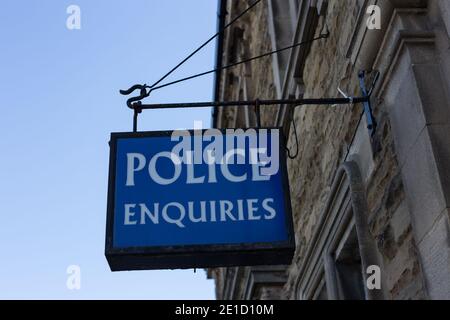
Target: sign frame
195,256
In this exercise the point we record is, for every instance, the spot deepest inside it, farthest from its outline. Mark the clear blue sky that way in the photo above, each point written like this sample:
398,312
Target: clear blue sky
59,102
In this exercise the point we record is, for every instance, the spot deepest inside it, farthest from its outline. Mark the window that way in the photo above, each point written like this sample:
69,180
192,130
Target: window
282,24
342,277
321,292
332,266
347,261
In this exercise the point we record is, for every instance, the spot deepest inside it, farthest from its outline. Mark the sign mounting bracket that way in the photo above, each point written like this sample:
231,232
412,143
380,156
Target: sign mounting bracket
135,103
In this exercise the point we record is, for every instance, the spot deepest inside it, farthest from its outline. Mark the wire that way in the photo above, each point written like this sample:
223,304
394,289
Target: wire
205,43
292,157
322,36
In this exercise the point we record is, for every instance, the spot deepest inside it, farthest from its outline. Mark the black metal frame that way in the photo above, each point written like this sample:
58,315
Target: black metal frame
136,104
194,256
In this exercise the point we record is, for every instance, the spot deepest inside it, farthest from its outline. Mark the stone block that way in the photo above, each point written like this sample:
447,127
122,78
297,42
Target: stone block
422,186
405,112
440,141
400,222
432,93
435,258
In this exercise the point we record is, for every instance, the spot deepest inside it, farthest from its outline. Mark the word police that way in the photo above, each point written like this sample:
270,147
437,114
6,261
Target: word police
215,149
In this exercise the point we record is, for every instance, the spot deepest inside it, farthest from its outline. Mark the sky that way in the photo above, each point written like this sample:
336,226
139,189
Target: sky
59,102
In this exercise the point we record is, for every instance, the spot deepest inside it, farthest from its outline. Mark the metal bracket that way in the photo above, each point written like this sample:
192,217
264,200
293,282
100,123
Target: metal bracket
142,95
135,103
370,119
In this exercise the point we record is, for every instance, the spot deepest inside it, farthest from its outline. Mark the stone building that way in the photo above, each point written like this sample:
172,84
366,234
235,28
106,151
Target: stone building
357,200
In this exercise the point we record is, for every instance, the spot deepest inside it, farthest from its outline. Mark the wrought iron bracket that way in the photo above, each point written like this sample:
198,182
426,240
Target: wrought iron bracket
370,119
136,104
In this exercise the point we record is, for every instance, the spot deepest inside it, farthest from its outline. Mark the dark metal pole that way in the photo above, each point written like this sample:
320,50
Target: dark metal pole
137,108
258,113
135,116
295,102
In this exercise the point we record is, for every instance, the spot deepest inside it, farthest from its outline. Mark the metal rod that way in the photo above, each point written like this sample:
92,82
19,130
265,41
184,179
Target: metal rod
135,119
296,102
258,113
371,122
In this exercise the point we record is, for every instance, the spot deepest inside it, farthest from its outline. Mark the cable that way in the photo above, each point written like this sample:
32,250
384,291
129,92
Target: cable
292,157
205,43
322,36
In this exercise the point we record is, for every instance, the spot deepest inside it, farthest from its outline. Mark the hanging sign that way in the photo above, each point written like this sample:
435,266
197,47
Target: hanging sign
199,198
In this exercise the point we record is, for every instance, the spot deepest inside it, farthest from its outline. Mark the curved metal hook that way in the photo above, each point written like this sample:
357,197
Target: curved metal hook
143,94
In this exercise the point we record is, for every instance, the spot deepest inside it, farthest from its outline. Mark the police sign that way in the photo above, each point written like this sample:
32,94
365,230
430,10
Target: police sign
199,198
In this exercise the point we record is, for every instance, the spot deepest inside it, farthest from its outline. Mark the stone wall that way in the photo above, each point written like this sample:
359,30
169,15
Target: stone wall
325,135
251,39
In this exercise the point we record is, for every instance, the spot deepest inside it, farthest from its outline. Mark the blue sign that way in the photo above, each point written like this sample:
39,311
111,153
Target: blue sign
181,199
